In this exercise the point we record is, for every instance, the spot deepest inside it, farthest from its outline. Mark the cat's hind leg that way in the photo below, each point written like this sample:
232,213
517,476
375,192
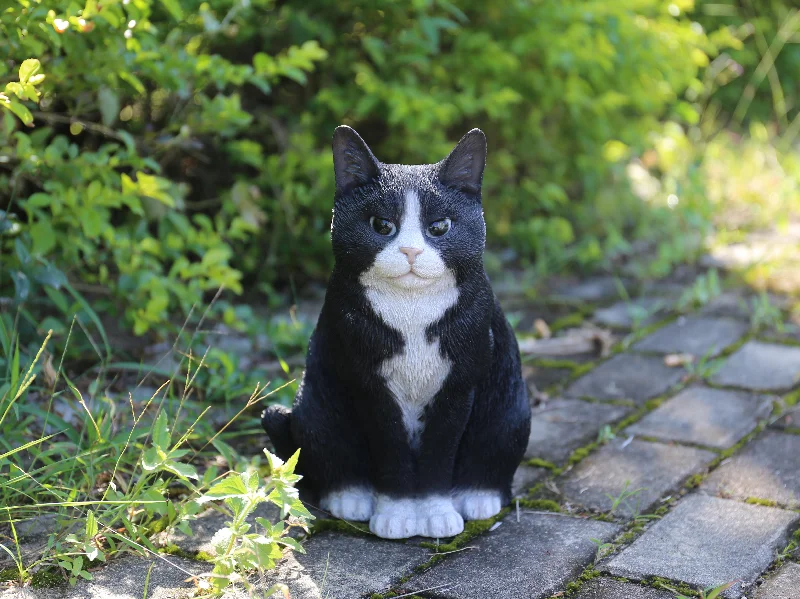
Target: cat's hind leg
334,457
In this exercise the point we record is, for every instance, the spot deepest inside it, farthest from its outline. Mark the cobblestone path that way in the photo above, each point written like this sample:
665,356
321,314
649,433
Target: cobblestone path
671,462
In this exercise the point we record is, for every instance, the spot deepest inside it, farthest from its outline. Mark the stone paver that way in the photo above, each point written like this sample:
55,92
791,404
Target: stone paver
32,535
595,289
525,477
705,416
541,377
353,566
783,585
652,468
694,335
768,468
706,541
730,304
608,588
627,376
625,315
560,426
529,559
761,366
125,579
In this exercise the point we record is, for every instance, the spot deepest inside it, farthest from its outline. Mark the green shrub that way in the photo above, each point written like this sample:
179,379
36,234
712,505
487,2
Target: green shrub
758,77
182,146
136,100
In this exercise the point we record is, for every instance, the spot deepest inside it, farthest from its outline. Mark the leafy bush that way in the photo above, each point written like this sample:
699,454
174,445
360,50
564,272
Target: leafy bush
136,97
182,146
756,79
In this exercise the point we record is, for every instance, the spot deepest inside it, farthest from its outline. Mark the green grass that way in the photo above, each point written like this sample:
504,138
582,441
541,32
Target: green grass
117,468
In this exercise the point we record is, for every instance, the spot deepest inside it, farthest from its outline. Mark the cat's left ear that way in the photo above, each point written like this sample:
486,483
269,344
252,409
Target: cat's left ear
463,168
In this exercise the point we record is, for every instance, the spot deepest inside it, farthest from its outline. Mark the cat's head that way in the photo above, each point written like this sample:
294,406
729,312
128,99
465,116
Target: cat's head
407,227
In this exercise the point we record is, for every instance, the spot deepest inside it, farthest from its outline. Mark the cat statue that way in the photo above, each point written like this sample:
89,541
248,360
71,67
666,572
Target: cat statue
412,412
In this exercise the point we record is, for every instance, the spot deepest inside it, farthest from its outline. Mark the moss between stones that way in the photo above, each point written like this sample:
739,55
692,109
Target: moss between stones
472,528
603,517
574,587
540,463
696,480
159,525
570,320
640,333
792,398
326,524
200,556
551,363
542,505
9,575
46,578
582,452
665,584
760,501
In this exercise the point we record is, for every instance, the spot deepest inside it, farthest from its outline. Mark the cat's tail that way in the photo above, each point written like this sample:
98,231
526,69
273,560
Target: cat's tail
277,421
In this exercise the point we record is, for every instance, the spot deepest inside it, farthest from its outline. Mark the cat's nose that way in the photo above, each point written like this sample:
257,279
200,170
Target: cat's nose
411,253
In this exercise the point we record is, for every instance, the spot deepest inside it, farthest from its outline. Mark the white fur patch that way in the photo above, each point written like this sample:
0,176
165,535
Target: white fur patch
409,298
402,518
477,504
394,518
437,518
351,503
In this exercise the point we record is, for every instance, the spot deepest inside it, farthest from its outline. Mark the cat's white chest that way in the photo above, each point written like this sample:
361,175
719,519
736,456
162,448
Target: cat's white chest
417,373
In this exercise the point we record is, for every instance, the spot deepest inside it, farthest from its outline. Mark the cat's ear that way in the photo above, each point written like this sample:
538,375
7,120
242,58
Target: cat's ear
353,163
463,168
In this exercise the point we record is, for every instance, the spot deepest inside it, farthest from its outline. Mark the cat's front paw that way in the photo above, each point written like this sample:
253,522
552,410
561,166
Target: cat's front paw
478,504
352,503
394,518
437,518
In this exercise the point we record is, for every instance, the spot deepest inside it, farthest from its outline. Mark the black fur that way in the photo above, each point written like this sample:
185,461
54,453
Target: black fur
344,418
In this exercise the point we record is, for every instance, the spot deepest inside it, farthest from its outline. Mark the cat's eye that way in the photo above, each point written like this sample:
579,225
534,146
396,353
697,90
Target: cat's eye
382,226
439,227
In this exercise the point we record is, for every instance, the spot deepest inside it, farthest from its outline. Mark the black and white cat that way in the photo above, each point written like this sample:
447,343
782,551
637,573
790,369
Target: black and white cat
412,412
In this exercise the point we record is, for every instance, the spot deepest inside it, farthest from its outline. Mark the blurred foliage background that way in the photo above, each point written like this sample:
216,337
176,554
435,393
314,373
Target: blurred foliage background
157,150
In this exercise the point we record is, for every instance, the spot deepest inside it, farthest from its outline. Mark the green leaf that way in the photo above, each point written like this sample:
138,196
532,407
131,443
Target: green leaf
181,469
91,525
156,502
222,540
22,286
151,459
108,100
231,486
43,235
174,8
720,589
15,88
28,69
18,109
290,542
23,255
127,76
49,275
251,480
161,435
291,463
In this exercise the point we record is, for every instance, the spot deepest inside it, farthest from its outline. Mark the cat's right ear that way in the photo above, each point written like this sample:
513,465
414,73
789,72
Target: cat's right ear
353,162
